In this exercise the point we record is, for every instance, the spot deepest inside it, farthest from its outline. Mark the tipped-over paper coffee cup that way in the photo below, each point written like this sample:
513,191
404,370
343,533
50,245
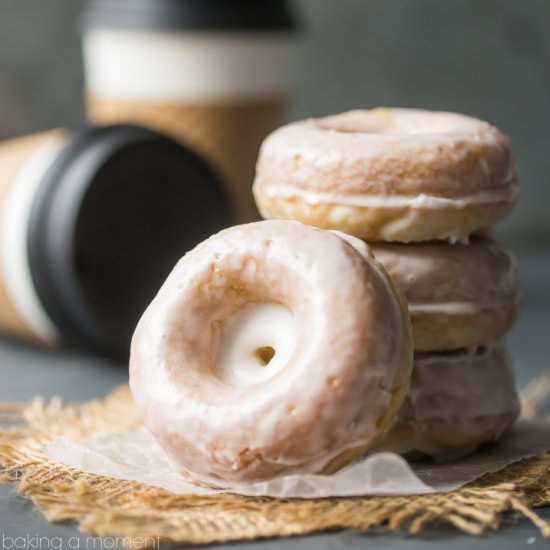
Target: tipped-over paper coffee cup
210,73
91,223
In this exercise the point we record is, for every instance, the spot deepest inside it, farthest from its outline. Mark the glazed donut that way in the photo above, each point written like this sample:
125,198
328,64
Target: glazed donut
252,363
449,412
459,296
388,175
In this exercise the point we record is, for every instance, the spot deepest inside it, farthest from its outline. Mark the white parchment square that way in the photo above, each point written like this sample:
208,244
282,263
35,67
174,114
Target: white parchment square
136,456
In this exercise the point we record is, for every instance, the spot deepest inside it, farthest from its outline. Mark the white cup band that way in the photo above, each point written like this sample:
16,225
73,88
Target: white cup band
175,66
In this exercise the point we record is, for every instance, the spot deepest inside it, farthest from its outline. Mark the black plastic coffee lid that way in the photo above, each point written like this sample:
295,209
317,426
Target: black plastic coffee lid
118,208
225,15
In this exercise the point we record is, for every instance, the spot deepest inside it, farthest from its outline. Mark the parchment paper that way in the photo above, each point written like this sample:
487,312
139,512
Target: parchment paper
136,456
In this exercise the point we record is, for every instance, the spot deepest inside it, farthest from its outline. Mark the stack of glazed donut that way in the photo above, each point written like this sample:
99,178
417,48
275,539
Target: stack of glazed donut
422,189
291,346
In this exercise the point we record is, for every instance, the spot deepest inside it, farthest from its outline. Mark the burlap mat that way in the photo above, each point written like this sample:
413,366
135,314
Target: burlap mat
106,507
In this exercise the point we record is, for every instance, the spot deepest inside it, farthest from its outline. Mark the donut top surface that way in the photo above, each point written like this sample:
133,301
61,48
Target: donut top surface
382,156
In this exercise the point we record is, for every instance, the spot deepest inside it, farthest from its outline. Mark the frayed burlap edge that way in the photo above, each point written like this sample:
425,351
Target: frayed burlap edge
107,507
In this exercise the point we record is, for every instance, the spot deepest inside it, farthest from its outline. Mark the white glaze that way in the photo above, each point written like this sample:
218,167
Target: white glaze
189,66
353,344
458,308
421,201
14,257
388,158
255,327
456,402
452,279
455,386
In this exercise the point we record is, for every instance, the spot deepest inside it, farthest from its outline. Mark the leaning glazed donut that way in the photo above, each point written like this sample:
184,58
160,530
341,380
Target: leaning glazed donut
449,412
272,348
388,174
459,296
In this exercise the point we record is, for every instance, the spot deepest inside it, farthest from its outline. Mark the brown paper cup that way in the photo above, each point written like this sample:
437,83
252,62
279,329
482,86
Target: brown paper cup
228,134
91,223
17,158
210,74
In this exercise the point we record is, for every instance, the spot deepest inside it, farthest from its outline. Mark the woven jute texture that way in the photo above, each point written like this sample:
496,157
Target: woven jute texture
228,134
107,507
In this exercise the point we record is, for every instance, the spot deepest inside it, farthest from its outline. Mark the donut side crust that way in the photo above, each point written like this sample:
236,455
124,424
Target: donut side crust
442,332
446,440
395,224
448,412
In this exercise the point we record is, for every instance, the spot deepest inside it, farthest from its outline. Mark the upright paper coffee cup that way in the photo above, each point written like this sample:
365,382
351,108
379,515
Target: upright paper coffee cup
91,223
211,73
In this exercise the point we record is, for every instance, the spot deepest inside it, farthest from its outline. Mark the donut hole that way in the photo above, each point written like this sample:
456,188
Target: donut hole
264,355
359,125
256,342
386,121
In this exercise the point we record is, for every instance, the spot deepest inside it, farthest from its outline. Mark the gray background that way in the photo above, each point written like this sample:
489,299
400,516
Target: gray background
489,58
